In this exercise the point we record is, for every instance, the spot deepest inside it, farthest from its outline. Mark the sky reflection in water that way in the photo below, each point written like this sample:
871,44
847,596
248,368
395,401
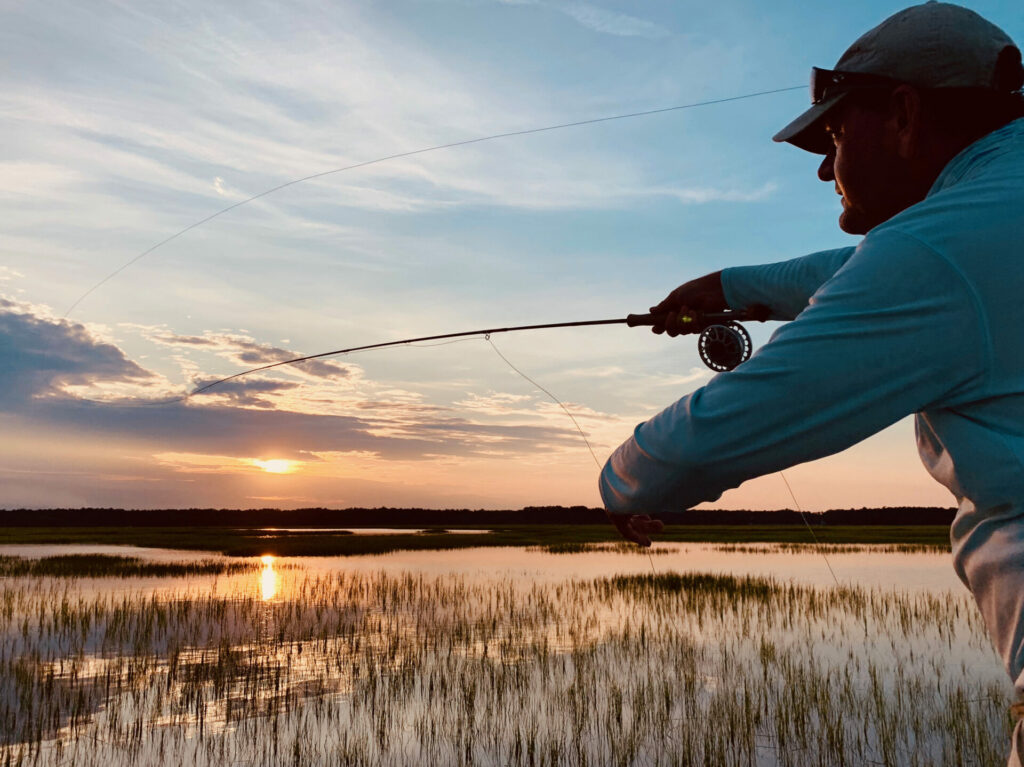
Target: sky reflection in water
367,659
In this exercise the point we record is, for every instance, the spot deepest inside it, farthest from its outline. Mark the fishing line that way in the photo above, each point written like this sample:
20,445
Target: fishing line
809,528
555,399
440,343
558,402
411,153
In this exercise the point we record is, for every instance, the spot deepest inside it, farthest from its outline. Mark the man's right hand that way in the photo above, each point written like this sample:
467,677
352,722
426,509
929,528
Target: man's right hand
703,294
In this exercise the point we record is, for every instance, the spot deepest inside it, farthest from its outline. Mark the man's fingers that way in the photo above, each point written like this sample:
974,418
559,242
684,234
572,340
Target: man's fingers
636,527
637,537
648,526
643,526
622,524
672,322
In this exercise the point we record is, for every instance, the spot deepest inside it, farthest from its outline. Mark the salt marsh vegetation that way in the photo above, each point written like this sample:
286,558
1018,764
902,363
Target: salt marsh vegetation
110,566
384,667
828,548
619,547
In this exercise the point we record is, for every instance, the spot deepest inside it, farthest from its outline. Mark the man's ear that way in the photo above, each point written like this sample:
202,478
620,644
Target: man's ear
906,121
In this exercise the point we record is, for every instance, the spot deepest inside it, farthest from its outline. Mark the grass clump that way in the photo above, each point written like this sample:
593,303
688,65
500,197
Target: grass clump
112,566
617,547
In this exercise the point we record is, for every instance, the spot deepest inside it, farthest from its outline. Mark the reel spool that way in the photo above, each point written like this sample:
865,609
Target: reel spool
724,345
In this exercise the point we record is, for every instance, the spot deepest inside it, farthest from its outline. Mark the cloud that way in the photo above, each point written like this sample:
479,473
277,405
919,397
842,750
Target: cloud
610,22
701,195
243,350
48,367
247,392
496,403
599,19
45,357
239,432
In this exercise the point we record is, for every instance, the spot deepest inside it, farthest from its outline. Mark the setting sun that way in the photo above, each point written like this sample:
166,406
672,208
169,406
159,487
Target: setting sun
276,465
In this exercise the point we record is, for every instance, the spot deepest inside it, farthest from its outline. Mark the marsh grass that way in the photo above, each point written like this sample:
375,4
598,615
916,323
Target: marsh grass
111,566
834,548
386,669
618,547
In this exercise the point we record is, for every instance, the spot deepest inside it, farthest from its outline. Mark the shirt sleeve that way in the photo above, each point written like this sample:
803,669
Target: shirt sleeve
785,287
896,330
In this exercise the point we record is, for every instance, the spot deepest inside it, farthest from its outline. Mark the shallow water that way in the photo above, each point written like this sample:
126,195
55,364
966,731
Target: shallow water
504,656
865,566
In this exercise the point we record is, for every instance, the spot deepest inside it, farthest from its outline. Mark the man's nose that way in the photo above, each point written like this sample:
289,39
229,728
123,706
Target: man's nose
825,170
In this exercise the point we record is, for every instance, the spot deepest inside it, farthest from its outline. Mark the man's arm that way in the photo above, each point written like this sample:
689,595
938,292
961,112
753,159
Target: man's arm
873,346
785,288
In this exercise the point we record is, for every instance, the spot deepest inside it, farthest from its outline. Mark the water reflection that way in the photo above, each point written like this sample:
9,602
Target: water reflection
385,660
268,578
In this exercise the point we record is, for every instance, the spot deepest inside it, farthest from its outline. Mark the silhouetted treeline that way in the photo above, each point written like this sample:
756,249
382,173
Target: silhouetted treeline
421,518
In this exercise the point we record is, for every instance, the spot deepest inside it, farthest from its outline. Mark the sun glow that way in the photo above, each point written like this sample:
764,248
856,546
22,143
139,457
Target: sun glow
276,465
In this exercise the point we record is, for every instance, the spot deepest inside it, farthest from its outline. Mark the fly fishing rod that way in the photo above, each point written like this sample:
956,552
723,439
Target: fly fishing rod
723,342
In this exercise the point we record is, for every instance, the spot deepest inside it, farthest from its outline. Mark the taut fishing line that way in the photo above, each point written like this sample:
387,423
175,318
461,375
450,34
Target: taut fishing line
411,153
555,399
565,410
809,528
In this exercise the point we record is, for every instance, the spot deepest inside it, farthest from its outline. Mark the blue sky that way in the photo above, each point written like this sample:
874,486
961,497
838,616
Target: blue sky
122,123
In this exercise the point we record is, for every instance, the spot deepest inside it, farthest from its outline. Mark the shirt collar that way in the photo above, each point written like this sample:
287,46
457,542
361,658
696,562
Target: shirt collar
980,153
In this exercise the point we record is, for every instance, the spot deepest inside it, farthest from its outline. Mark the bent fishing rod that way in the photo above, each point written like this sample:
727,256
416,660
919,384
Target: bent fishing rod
723,343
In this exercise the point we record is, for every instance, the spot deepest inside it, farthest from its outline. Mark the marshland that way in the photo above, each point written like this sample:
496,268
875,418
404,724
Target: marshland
709,654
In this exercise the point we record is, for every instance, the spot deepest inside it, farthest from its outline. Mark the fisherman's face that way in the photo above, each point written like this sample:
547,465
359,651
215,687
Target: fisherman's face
865,167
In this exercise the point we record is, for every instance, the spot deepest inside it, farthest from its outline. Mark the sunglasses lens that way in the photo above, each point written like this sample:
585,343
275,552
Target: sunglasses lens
820,80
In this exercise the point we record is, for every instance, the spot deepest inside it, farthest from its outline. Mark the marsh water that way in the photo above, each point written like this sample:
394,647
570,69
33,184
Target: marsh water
696,654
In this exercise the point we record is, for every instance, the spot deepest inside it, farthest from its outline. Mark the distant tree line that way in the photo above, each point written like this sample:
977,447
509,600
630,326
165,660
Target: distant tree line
422,518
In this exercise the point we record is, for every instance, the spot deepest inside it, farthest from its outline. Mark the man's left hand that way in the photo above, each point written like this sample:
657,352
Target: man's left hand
636,527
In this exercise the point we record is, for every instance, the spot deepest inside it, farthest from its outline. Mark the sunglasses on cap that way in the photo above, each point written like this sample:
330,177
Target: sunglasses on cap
826,83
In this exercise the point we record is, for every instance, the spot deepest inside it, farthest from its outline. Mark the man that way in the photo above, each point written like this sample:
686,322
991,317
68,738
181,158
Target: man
919,124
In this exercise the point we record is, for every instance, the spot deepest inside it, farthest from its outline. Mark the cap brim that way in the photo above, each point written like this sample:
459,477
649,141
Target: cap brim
807,131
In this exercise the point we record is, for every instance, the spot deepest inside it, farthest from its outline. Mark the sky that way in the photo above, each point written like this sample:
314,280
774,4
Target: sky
122,123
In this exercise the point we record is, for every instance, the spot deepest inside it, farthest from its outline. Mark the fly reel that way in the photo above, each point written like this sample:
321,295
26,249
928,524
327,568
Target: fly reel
723,346
723,342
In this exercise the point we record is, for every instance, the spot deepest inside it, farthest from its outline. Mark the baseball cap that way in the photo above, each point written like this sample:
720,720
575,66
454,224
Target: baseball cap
934,45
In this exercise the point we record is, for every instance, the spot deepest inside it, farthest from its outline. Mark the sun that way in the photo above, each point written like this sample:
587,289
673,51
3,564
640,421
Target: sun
276,465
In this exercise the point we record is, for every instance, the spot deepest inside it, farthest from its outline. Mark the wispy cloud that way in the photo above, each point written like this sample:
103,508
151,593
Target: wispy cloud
599,19
243,350
702,195
611,22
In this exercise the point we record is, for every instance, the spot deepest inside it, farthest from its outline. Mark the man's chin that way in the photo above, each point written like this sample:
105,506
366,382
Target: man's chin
851,223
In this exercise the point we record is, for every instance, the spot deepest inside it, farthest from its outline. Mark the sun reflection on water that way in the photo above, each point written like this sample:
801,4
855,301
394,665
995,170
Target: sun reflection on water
268,578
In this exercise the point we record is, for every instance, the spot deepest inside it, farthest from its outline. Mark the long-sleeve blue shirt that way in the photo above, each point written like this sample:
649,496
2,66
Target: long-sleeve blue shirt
925,316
